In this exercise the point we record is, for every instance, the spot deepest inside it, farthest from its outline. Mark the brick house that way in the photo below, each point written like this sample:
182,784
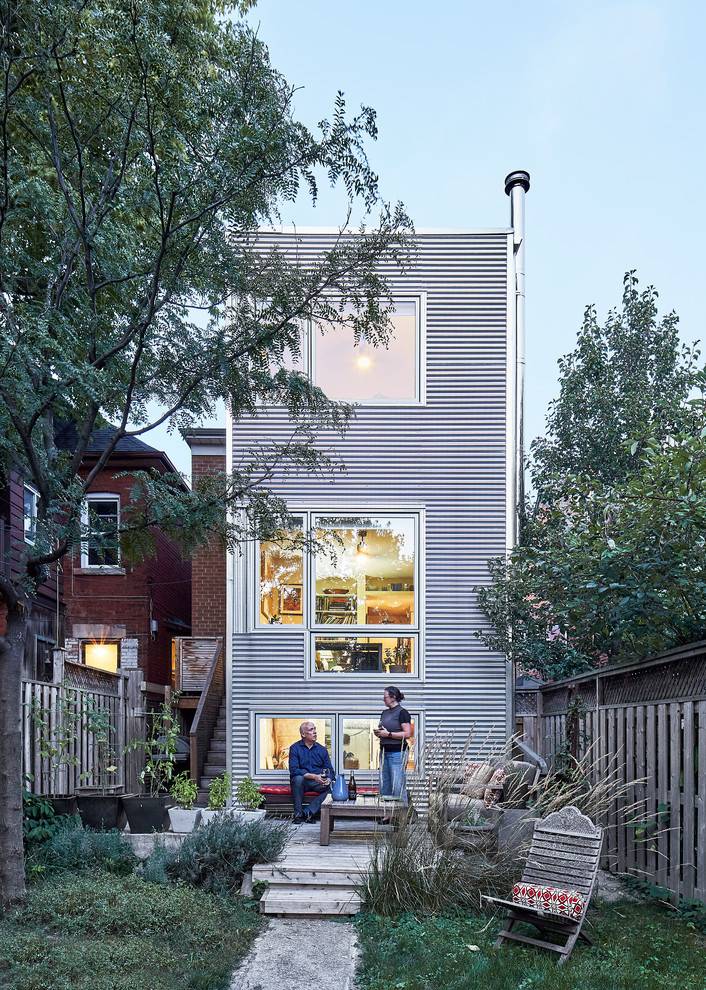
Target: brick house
119,615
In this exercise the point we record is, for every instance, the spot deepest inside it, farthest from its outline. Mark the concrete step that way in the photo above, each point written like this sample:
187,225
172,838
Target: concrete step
217,746
312,900
214,769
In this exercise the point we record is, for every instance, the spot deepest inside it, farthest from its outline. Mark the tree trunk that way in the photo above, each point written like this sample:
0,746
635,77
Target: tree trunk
12,648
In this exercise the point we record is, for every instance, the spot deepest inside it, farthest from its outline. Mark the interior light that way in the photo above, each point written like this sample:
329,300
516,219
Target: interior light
364,362
102,656
362,545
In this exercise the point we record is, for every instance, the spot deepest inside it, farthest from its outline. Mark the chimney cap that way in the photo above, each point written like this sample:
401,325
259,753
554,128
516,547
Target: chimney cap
520,178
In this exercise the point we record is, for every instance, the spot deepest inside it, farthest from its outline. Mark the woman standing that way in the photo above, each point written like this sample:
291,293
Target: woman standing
393,731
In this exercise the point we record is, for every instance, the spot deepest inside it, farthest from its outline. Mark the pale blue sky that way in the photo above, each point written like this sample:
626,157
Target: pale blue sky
603,103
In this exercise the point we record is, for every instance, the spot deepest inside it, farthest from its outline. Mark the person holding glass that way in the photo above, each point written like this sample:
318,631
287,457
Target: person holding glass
393,731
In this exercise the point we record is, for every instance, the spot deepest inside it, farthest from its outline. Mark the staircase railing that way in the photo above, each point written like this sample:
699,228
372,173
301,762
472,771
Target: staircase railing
207,713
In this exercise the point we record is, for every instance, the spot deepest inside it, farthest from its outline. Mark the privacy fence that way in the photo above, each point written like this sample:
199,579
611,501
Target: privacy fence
647,720
74,729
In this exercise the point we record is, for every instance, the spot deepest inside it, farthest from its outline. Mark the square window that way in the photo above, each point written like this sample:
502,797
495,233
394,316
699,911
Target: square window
360,372
276,734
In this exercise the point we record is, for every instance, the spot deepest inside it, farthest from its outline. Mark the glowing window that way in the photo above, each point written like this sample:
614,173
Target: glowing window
282,581
102,656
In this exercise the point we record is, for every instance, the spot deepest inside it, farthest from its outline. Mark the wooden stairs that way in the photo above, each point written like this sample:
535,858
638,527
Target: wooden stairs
309,879
216,760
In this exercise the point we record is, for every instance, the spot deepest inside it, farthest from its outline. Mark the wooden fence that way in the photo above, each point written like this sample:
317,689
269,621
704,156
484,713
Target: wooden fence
648,721
76,728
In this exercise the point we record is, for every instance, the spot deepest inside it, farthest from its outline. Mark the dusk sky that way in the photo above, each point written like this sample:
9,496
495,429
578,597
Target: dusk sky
602,103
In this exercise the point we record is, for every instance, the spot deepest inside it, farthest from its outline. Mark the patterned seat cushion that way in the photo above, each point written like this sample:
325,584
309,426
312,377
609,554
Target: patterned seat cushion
553,900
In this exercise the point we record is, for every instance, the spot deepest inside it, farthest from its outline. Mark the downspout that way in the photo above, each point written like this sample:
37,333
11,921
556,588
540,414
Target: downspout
516,186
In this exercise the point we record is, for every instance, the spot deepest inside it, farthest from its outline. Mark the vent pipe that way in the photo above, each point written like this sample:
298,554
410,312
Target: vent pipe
516,185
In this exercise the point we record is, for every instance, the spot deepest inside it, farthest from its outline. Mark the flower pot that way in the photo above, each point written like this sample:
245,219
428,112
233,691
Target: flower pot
184,819
249,814
146,814
65,805
101,811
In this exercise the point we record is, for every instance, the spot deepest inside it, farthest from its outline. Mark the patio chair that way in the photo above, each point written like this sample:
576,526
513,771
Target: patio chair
557,882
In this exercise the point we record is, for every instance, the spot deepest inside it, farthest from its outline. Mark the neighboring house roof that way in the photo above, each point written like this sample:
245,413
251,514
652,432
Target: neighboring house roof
66,438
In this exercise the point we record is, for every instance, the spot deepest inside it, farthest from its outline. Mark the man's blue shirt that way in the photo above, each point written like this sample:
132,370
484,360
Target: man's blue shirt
304,760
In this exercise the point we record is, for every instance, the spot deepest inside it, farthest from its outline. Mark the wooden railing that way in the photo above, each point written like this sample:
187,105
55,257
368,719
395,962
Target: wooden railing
207,713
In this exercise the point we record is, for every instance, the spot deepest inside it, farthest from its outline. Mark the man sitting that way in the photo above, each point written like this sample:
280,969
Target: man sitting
310,769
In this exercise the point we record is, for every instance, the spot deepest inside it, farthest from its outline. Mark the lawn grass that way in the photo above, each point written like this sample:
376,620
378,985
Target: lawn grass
638,947
100,931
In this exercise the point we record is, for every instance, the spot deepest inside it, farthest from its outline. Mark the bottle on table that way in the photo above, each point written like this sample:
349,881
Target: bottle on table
352,788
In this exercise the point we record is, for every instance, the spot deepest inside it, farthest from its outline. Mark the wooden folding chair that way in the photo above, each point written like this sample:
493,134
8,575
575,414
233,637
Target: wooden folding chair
557,882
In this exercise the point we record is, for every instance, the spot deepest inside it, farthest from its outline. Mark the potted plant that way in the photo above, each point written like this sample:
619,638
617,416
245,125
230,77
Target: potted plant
99,804
249,798
185,817
148,812
218,795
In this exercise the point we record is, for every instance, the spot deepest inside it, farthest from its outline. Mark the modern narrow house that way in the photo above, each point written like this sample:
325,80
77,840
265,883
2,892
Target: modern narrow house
429,495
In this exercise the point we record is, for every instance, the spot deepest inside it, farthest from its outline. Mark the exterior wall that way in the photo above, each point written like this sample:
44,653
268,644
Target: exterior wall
120,602
46,621
208,565
448,458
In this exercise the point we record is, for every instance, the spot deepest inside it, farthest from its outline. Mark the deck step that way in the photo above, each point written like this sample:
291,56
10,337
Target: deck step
282,877
312,900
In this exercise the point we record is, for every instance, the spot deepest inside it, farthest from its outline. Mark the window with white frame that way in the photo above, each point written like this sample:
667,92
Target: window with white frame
349,738
358,371
101,545
363,578
30,514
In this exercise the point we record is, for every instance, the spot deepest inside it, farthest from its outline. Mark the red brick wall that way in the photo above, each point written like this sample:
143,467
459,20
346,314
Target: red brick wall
124,599
208,567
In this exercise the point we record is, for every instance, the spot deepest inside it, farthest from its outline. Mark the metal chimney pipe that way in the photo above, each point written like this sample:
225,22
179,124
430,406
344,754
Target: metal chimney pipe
516,185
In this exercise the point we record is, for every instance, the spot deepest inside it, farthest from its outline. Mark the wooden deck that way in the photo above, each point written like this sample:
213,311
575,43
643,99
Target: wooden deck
310,879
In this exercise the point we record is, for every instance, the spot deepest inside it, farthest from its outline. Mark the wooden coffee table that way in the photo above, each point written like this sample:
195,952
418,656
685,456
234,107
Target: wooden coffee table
365,806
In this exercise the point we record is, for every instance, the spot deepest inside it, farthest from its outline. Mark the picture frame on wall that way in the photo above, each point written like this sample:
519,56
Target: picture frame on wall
291,599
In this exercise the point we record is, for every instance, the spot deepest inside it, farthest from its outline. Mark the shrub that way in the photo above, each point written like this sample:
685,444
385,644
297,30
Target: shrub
39,821
75,848
216,856
219,791
184,790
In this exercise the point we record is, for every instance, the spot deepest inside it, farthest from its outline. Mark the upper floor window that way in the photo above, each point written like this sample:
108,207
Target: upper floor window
389,374
101,547
282,580
103,656
30,514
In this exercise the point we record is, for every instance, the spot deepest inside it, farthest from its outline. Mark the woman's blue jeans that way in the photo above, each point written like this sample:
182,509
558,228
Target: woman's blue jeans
393,767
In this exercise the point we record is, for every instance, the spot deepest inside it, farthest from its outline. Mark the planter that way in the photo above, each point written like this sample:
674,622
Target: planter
65,805
146,813
208,814
184,819
101,811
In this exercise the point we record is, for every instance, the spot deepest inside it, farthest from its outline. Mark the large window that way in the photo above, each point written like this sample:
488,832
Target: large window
364,578
348,738
101,546
364,373
390,374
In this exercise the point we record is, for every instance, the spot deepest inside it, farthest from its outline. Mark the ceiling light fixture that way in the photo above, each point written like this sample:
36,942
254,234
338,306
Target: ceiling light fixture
362,545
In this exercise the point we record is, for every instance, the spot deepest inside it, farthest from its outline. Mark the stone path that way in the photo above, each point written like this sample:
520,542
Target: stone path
300,954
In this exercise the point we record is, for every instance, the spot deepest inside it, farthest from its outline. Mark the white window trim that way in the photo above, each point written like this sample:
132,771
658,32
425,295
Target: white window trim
98,568
366,776
33,527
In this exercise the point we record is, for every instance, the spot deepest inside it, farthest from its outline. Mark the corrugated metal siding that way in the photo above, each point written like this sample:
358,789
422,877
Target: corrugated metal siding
447,456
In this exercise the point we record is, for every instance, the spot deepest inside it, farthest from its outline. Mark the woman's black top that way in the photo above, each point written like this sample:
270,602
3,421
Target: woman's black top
392,719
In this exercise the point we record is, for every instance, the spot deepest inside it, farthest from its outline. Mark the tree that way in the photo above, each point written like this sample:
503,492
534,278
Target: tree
611,560
626,379
143,144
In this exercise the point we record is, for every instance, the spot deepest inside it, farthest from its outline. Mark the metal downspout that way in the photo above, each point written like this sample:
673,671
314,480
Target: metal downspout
516,186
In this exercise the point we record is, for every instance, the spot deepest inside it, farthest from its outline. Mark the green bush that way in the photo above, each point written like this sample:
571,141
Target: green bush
39,821
75,848
216,856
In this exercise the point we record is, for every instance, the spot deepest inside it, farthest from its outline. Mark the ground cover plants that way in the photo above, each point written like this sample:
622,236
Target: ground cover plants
97,918
637,946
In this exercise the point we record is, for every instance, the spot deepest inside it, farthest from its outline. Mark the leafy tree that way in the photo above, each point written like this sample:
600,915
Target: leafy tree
611,561
143,144
626,379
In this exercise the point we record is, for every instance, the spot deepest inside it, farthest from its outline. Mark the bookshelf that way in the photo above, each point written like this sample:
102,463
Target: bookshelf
336,608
